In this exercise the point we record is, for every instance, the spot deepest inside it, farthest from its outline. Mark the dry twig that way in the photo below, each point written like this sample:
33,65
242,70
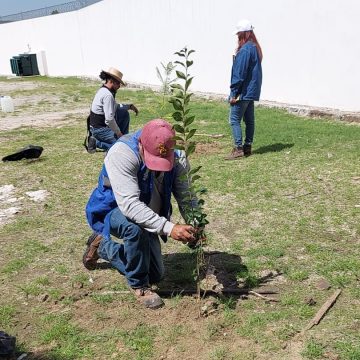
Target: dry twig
262,296
293,196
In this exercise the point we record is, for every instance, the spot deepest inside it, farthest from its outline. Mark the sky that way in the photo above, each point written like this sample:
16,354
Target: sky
8,7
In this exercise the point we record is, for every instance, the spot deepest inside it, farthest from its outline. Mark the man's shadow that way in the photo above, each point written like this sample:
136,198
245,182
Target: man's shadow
223,274
272,148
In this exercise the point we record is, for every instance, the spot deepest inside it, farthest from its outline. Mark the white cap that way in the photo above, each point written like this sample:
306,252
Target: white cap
243,25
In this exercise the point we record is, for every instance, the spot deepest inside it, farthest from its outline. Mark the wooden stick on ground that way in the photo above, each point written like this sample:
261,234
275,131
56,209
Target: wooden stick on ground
317,318
323,310
226,291
262,296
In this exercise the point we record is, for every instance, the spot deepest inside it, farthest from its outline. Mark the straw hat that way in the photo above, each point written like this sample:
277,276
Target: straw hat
116,74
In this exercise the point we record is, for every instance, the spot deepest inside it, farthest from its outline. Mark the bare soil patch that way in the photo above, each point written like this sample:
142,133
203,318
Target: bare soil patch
42,120
207,148
37,110
12,86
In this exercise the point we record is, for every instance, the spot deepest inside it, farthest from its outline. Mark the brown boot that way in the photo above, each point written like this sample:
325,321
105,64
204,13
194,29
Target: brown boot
247,150
91,256
236,153
148,298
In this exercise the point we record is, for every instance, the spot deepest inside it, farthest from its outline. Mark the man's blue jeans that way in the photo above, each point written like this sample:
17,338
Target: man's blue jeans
105,137
243,109
138,257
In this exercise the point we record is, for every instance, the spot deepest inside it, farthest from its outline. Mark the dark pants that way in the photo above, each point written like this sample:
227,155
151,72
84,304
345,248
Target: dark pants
138,256
105,137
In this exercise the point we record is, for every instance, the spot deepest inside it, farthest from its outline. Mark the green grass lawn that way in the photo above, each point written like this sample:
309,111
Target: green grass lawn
291,209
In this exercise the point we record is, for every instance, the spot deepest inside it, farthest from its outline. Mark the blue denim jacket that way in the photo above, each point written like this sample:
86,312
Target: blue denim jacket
246,73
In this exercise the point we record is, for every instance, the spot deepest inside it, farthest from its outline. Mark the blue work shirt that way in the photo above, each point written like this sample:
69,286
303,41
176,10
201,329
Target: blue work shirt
246,73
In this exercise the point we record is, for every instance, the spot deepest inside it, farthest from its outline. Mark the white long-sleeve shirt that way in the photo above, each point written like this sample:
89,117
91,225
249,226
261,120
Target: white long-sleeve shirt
104,104
122,166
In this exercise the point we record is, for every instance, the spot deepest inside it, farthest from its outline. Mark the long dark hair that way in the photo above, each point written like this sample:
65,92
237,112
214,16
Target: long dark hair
104,76
244,37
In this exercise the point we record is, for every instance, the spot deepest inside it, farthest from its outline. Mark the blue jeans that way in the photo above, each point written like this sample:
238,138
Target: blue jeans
105,137
243,109
138,257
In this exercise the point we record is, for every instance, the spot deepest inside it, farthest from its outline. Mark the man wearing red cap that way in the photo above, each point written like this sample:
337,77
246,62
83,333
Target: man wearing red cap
132,202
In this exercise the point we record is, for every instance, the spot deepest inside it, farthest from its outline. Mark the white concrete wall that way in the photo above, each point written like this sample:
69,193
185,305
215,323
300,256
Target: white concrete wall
311,48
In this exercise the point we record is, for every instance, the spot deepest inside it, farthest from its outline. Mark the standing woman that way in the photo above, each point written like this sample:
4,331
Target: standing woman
108,119
245,87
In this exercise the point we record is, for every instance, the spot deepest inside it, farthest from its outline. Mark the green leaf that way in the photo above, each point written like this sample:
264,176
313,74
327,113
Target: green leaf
177,86
195,177
189,120
184,178
190,149
188,82
190,52
177,116
180,63
197,213
190,134
195,170
179,54
180,74
177,105
189,63
178,94
188,96
179,128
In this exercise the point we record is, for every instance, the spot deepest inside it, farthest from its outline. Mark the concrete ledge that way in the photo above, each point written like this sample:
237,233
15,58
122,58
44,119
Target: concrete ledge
299,110
314,112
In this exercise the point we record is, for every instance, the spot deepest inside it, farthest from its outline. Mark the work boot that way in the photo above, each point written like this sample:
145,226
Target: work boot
91,145
237,152
91,256
148,298
247,150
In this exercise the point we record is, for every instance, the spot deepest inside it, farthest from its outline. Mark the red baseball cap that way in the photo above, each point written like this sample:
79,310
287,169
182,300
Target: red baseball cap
157,139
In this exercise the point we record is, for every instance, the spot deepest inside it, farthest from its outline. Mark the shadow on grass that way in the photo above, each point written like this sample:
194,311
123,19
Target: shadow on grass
103,265
224,274
180,269
272,148
43,355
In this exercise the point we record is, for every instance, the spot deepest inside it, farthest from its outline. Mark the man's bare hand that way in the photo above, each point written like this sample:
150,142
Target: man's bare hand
184,233
233,101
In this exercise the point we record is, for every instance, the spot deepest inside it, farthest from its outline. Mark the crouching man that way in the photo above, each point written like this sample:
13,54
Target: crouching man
132,202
